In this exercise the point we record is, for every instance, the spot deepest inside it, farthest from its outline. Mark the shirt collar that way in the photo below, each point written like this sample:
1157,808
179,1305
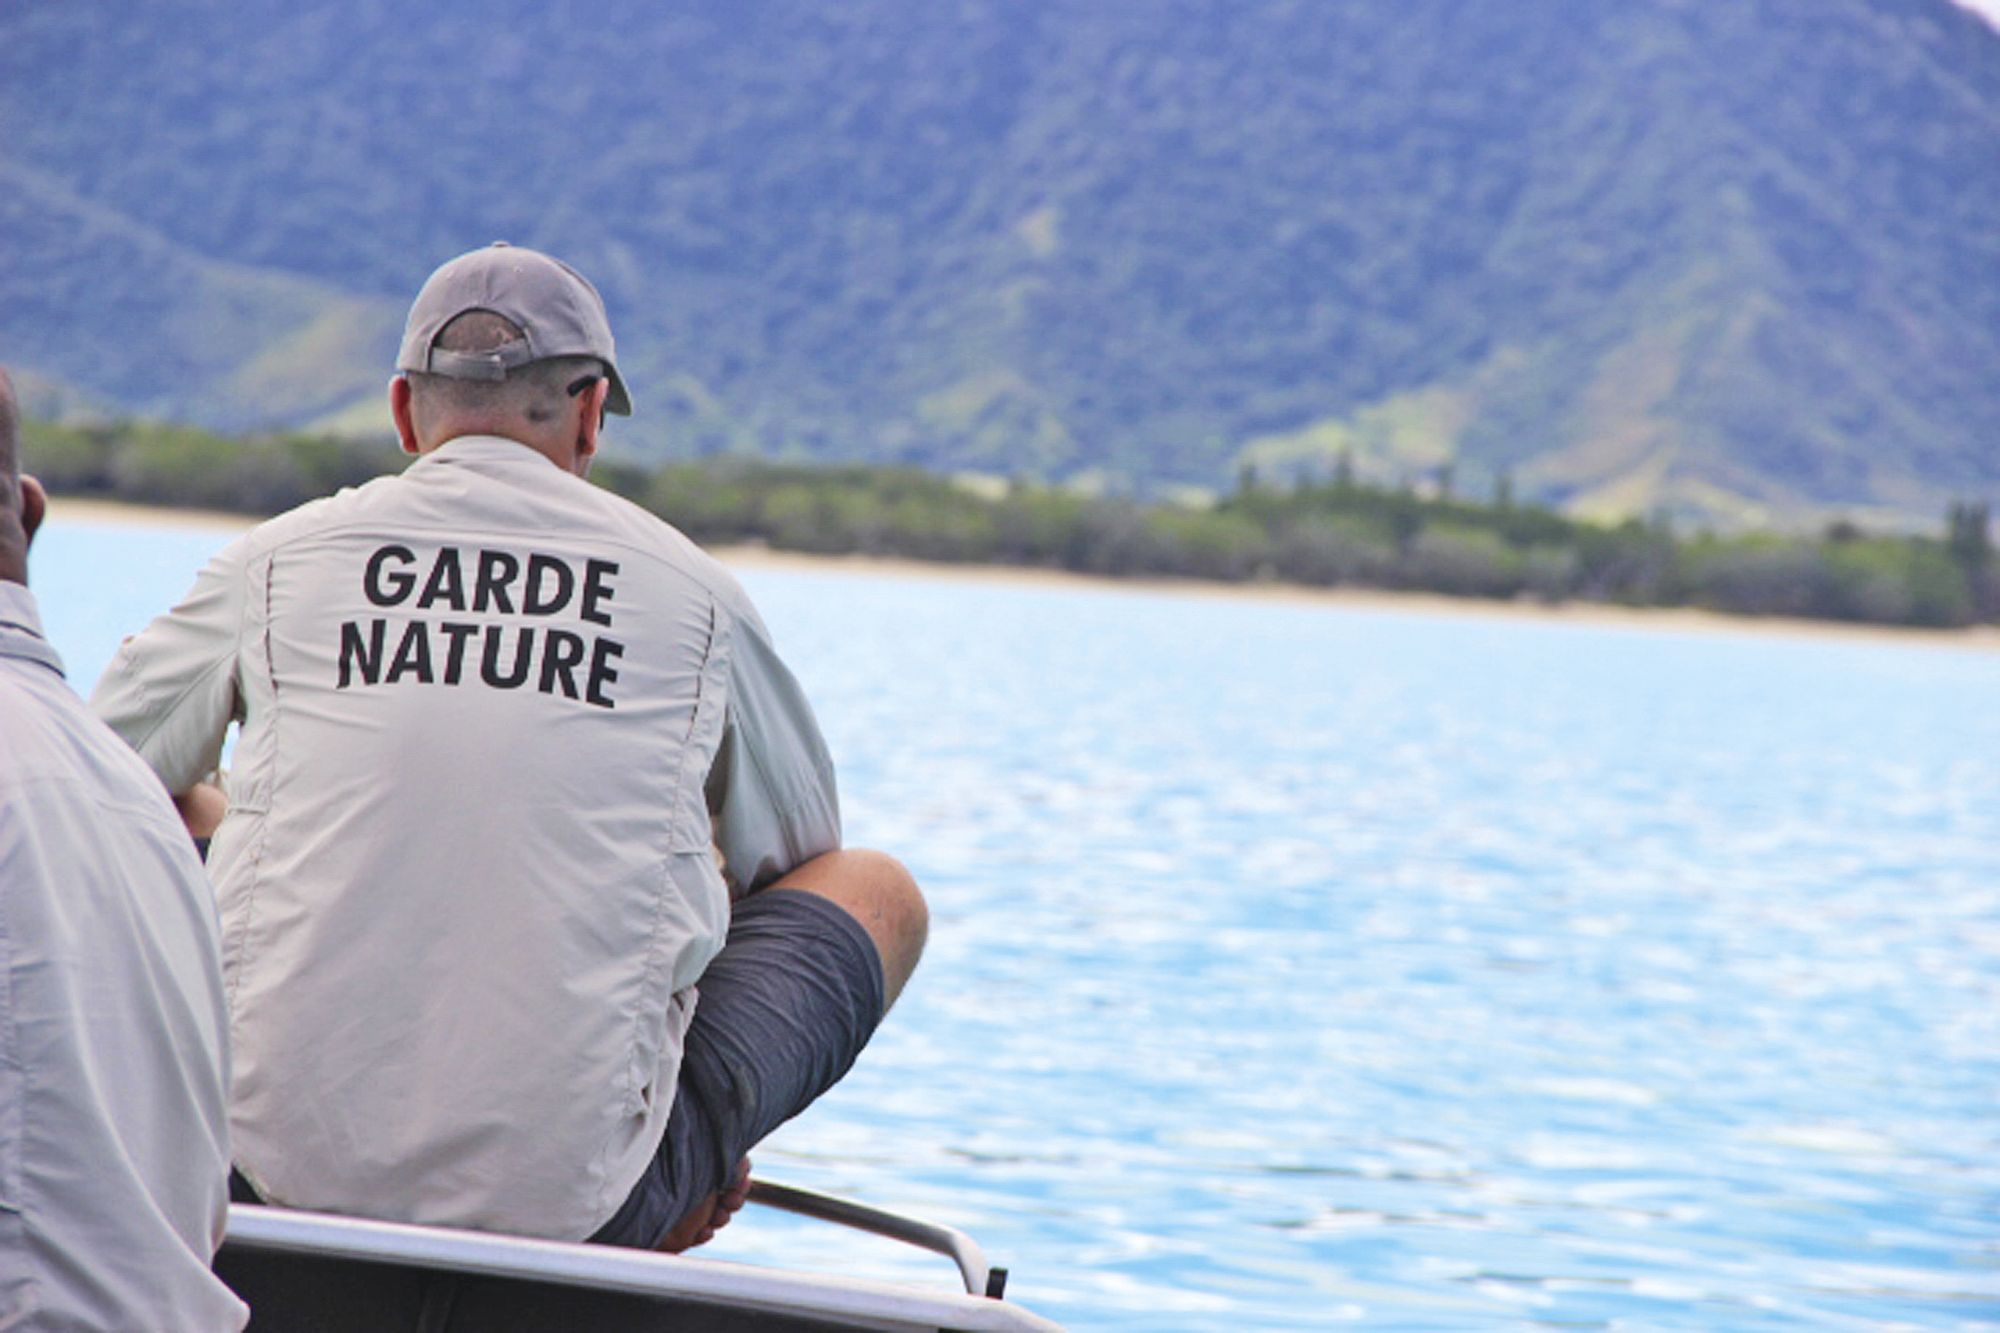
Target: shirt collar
484,450
21,628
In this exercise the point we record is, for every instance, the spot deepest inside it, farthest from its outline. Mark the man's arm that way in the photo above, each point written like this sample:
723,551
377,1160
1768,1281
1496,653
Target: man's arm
170,692
771,791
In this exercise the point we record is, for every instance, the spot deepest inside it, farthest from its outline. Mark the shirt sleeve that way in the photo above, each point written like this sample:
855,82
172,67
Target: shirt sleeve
771,792
170,691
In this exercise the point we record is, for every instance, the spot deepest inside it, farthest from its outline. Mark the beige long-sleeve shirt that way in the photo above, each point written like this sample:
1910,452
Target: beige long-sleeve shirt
114,1147
466,878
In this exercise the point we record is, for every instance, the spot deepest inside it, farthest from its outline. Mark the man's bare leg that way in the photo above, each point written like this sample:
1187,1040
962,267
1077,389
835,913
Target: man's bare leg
876,890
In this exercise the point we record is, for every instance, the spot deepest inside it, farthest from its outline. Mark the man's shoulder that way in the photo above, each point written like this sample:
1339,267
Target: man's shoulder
29,717
344,505
48,734
655,537
37,707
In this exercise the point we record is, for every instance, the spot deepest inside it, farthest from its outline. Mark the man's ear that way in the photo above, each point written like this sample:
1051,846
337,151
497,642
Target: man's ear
399,408
34,504
590,424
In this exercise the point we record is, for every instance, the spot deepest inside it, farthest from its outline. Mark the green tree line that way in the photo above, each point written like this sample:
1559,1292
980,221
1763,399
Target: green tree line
1329,533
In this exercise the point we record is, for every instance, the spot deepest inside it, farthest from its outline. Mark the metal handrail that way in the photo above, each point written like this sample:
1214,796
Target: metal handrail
979,1278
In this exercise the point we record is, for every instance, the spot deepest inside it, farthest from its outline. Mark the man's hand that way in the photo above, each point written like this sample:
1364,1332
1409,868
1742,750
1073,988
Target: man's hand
202,807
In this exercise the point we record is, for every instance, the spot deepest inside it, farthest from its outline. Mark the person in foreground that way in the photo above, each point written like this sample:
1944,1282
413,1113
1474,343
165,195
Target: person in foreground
114,1148
534,914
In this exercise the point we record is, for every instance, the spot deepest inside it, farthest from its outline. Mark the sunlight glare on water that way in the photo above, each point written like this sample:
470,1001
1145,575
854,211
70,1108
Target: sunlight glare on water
1295,965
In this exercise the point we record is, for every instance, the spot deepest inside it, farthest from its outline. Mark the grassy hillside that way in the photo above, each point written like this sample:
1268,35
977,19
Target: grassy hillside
1728,259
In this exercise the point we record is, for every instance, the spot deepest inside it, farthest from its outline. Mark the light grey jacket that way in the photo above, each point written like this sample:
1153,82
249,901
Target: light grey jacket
114,1144
466,878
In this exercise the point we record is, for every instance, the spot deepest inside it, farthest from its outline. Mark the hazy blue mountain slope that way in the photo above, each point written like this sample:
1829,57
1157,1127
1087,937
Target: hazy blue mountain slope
136,320
1738,258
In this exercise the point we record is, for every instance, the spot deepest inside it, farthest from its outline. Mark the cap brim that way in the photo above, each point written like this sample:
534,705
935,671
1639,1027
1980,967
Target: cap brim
619,400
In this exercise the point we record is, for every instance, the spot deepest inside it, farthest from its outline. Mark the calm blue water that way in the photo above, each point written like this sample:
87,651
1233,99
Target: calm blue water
1299,966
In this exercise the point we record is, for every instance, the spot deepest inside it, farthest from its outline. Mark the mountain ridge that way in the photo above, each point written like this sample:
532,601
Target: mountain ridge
1735,262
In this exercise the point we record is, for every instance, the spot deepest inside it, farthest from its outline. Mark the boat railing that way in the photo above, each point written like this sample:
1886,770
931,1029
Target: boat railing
980,1278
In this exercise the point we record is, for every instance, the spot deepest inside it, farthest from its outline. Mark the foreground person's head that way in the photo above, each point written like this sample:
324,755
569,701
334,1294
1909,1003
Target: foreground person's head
21,498
507,341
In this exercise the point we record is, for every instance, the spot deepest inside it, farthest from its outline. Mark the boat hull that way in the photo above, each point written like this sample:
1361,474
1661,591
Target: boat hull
314,1273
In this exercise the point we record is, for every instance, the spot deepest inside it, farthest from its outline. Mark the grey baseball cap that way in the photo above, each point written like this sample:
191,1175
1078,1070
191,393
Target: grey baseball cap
557,309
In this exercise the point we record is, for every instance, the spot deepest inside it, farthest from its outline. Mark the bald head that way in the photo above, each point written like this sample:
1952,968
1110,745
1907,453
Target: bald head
532,405
21,500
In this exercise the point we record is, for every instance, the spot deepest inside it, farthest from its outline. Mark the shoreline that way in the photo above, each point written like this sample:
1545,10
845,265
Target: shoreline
89,511
1978,638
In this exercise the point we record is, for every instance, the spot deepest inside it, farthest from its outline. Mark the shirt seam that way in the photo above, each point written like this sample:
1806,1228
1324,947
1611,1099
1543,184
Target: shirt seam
656,943
677,836
634,1078
254,875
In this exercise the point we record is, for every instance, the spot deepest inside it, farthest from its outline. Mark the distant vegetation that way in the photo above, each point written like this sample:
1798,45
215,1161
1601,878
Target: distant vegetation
1334,532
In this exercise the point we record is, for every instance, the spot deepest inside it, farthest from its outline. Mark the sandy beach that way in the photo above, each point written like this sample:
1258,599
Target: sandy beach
1984,638
64,510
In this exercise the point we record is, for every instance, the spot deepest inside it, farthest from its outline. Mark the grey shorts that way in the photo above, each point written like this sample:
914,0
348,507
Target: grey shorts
784,1010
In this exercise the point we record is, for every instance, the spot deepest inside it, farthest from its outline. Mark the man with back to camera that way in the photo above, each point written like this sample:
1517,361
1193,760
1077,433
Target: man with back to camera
114,1147
496,725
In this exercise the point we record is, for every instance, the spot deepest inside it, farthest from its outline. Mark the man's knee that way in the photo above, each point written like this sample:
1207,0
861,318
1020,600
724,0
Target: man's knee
878,891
